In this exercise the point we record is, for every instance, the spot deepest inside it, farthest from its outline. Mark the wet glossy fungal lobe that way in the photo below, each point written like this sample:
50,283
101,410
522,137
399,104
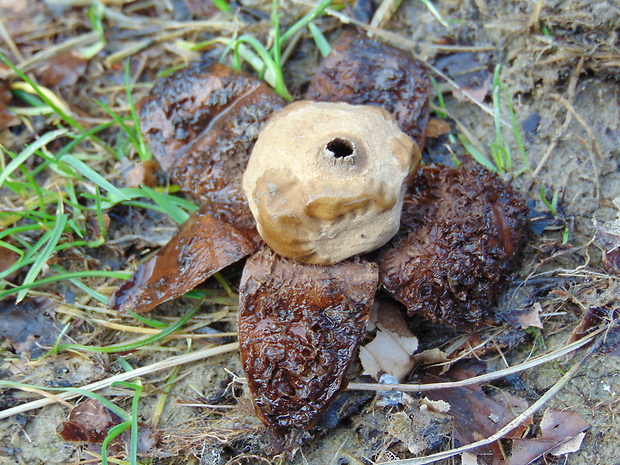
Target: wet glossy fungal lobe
201,123
462,235
362,71
326,180
299,329
201,247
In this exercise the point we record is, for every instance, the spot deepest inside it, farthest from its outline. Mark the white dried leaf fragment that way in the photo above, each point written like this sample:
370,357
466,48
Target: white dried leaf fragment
392,349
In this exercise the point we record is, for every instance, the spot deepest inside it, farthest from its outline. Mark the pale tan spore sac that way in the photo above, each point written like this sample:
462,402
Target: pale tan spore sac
326,181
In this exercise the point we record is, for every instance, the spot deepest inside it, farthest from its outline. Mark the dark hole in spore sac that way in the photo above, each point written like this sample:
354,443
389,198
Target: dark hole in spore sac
340,148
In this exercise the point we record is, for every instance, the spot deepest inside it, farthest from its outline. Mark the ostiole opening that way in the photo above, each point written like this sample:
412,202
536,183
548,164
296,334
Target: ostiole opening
340,148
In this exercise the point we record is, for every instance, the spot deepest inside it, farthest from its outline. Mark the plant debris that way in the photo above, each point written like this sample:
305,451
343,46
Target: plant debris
28,327
89,421
561,433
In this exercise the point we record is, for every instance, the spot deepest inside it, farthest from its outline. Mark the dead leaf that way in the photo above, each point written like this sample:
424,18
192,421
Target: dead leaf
7,259
392,348
525,318
557,428
137,174
437,127
469,459
28,327
89,421
62,70
569,446
464,94
7,119
431,357
476,415
202,247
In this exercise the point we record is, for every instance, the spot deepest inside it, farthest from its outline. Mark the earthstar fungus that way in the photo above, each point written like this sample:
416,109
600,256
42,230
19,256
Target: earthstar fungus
305,297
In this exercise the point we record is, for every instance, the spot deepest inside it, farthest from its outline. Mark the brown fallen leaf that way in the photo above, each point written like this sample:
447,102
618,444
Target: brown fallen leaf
137,174
7,119
476,415
7,258
437,127
89,421
526,318
62,70
557,428
27,326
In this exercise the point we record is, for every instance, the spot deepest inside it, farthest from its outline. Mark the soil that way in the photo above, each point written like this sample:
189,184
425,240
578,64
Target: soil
560,69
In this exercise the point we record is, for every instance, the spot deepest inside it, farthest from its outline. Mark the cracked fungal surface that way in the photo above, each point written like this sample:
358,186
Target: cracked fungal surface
460,238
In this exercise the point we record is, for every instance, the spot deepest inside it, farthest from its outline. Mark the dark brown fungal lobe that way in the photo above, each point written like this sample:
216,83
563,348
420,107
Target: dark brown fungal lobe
362,71
462,235
201,123
299,329
201,247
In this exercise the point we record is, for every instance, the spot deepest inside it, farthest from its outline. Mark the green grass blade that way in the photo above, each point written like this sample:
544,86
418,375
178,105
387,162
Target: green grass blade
91,174
75,274
172,210
222,5
133,345
113,433
303,22
148,321
65,117
143,151
475,153
319,39
80,285
42,259
29,151
280,86
515,130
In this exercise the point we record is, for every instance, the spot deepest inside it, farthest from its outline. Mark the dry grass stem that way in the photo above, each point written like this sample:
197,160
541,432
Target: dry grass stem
546,397
169,363
482,378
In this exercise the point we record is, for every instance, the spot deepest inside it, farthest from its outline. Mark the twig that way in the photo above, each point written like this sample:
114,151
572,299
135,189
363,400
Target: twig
477,379
168,363
546,397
